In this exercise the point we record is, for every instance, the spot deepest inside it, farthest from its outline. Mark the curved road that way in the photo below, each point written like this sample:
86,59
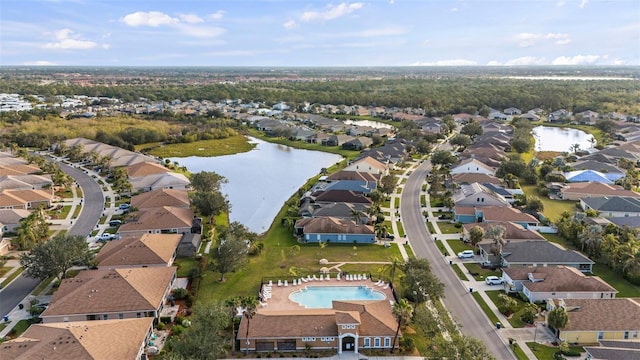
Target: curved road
93,203
458,300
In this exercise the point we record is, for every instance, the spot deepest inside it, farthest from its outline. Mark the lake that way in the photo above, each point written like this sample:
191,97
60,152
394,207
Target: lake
373,124
261,180
550,138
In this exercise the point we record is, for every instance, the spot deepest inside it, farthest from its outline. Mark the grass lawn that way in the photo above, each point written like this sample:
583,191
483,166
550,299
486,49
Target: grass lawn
480,273
514,320
184,265
277,260
483,305
435,202
543,352
430,227
409,251
348,154
400,229
448,228
11,277
42,285
231,145
22,326
396,203
442,248
64,194
4,270
459,272
520,355
624,287
76,212
552,208
458,246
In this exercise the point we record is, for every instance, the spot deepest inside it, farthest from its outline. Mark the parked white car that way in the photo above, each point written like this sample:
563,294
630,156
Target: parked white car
493,280
467,254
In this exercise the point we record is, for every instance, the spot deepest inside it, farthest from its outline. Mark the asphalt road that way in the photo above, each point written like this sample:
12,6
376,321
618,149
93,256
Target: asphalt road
458,300
91,212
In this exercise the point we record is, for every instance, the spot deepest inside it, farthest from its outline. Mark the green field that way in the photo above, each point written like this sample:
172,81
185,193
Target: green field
552,208
231,145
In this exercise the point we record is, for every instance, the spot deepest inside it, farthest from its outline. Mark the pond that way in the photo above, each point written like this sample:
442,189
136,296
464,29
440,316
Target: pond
261,180
550,138
370,123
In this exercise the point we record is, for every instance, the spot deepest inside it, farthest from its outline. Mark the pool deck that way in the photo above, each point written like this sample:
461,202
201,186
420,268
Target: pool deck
280,301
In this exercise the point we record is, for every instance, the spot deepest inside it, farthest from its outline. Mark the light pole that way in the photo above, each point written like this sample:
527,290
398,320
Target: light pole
535,334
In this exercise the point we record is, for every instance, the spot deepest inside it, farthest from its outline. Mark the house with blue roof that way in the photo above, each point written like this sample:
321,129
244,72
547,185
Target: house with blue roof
592,176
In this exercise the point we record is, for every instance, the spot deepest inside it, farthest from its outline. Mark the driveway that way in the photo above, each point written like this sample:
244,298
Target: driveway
458,300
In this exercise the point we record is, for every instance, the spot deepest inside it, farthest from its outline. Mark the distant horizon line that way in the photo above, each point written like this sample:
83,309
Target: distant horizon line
327,66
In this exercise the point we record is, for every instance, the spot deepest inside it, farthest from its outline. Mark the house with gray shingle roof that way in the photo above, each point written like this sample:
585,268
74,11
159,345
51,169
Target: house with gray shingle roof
612,206
334,230
537,253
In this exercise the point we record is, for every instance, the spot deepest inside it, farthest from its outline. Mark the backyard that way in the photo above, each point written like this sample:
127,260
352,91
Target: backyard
552,208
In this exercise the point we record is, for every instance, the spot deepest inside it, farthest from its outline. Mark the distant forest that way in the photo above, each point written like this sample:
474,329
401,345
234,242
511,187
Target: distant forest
439,96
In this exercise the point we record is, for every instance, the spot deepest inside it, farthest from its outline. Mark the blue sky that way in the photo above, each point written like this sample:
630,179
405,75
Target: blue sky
319,33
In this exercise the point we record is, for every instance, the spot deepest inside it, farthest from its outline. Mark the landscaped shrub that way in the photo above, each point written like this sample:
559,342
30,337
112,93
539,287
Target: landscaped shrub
180,293
165,319
161,326
177,330
407,344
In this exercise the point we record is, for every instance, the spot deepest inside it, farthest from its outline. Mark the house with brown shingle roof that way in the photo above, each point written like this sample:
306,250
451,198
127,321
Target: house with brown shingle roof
81,340
25,199
334,230
470,178
556,282
166,219
111,294
491,214
577,190
144,250
591,320
369,165
347,326
161,197
146,168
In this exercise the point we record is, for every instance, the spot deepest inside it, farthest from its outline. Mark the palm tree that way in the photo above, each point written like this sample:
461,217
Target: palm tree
232,304
249,305
381,230
402,311
356,215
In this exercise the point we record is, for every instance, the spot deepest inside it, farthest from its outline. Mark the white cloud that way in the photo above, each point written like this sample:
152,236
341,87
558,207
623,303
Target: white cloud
560,3
454,9
583,3
391,2
331,12
526,60
218,15
530,39
151,18
39,63
494,63
67,40
618,61
291,24
576,60
191,18
453,62
199,31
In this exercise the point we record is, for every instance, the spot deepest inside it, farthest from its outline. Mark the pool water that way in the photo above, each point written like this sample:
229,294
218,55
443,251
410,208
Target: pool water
315,297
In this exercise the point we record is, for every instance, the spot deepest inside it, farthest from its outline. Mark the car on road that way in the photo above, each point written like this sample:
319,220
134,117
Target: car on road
467,254
493,280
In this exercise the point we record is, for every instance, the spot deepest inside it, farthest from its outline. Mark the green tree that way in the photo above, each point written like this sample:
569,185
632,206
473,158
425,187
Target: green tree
56,256
443,157
461,140
205,339
388,184
557,319
32,230
419,282
529,313
476,234
402,311
534,204
207,181
230,256
473,129
210,203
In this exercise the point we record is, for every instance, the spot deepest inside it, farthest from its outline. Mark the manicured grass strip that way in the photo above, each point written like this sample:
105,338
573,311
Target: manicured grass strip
430,227
2,326
442,248
76,212
42,285
396,203
409,251
520,355
4,270
483,305
13,275
448,228
459,272
400,229
458,246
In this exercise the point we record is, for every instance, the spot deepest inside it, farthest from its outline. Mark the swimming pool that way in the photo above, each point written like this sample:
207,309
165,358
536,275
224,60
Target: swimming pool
321,296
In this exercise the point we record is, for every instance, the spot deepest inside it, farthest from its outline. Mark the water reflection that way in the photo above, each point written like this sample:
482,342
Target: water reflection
261,180
550,138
